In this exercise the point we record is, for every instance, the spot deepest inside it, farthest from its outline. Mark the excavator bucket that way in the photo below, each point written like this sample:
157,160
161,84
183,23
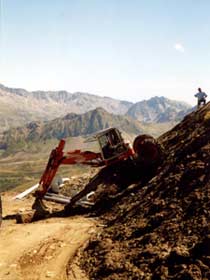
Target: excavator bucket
39,211
40,207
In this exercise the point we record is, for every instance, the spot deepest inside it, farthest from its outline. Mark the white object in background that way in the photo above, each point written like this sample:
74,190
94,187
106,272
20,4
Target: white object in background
66,179
57,183
26,192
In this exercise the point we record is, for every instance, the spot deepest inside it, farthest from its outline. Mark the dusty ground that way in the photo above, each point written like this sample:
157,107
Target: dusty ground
43,249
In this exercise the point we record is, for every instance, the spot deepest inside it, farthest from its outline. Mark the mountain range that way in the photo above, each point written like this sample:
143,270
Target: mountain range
71,125
158,110
19,106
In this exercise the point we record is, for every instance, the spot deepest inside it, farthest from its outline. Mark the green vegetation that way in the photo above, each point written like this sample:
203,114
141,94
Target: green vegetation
22,175
23,169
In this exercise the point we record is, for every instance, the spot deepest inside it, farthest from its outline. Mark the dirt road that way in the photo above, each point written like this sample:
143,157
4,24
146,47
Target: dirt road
43,249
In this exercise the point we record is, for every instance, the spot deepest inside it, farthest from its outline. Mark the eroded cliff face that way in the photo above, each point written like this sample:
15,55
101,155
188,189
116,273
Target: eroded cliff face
160,230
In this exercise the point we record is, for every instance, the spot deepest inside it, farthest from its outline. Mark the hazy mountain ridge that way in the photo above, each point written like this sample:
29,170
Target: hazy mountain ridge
158,110
18,106
70,125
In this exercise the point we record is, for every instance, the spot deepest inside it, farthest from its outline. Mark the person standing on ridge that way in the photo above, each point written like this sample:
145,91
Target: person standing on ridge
201,97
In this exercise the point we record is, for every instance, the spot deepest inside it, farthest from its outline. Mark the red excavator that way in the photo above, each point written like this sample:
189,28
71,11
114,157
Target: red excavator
113,151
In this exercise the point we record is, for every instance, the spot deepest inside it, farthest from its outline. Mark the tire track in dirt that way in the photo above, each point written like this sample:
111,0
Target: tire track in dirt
42,250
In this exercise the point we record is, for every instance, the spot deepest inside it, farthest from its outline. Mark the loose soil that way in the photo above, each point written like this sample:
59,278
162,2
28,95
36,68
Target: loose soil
43,249
156,229
161,229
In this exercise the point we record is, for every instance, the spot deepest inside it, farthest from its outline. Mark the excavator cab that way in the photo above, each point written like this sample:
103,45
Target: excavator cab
112,145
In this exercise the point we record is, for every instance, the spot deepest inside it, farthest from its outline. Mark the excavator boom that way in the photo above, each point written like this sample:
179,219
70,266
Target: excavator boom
58,157
114,154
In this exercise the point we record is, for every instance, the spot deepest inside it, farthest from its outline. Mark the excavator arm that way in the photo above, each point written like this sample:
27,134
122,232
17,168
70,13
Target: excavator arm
145,155
58,157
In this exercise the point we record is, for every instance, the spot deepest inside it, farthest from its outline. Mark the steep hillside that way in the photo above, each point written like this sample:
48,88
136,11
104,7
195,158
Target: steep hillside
18,106
160,230
158,110
69,125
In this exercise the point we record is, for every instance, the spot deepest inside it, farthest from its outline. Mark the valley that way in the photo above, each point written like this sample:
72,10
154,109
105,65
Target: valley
23,169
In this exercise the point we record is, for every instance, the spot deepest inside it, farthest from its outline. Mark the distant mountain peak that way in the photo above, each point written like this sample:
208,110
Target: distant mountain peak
158,109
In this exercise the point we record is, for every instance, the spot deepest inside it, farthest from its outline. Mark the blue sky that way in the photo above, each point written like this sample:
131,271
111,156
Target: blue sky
129,50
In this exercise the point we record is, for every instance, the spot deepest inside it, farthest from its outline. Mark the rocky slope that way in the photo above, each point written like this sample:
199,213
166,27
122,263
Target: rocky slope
160,230
158,109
